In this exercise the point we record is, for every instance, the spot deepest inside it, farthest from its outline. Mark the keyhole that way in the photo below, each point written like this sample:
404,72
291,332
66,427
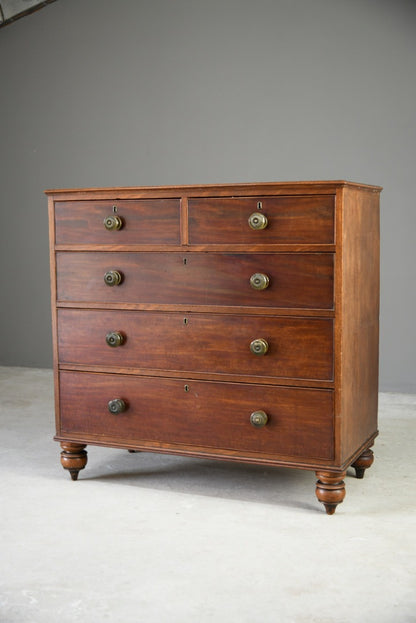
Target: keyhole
259,205
114,209
186,388
185,261
185,321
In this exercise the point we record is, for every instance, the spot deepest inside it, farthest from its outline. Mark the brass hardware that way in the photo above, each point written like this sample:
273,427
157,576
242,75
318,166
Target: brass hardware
117,406
259,281
258,419
112,278
186,388
115,209
259,205
259,346
257,221
115,339
113,223
185,321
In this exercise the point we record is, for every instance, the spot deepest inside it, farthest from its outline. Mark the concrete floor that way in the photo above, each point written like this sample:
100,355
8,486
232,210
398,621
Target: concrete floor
153,538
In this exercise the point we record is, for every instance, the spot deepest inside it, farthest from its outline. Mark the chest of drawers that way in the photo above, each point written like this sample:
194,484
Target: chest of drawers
234,322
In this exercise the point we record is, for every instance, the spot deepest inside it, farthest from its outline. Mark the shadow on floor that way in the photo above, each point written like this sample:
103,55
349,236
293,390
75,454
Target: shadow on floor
227,480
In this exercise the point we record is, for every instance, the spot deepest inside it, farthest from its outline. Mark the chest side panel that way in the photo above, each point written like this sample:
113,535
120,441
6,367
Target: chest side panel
358,320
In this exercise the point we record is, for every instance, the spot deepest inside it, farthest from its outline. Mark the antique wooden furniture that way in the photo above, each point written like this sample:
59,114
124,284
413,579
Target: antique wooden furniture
235,322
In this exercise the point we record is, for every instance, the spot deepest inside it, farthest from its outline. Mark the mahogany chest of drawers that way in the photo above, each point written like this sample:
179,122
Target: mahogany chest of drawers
235,322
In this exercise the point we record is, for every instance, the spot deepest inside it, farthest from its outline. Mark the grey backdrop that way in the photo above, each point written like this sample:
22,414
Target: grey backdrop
139,92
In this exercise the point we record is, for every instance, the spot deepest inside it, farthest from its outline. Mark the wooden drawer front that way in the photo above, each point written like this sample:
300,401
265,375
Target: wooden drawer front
297,347
303,280
153,221
300,219
213,415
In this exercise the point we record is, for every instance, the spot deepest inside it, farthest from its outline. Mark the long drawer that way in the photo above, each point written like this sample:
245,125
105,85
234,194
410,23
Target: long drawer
301,280
140,221
197,413
289,220
296,347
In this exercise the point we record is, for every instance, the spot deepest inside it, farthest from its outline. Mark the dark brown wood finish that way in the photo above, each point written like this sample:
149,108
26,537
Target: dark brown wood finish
301,280
198,413
187,314
51,224
297,347
330,489
364,461
73,458
358,319
143,222
308,219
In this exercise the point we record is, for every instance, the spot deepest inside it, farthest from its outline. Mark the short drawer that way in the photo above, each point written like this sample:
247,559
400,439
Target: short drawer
301,280
286,220
299,348
197,413
154,221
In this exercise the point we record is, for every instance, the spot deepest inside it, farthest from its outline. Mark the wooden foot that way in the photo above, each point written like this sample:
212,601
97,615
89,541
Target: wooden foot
73,458
364,461
330,489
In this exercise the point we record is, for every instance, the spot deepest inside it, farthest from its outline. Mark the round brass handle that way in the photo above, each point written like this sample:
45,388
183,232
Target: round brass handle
259,346
113,223
112,278
258,419
257,220
117,406
259,281
115,338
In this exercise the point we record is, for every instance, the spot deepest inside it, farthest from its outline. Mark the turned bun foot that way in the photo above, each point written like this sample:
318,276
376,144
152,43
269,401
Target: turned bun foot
73,458
364,461
330,490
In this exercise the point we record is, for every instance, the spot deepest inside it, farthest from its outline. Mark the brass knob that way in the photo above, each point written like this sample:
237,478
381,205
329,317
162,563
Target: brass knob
259,346
259,281
257,220
112,278
114,338
117,406
258,419
113,223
